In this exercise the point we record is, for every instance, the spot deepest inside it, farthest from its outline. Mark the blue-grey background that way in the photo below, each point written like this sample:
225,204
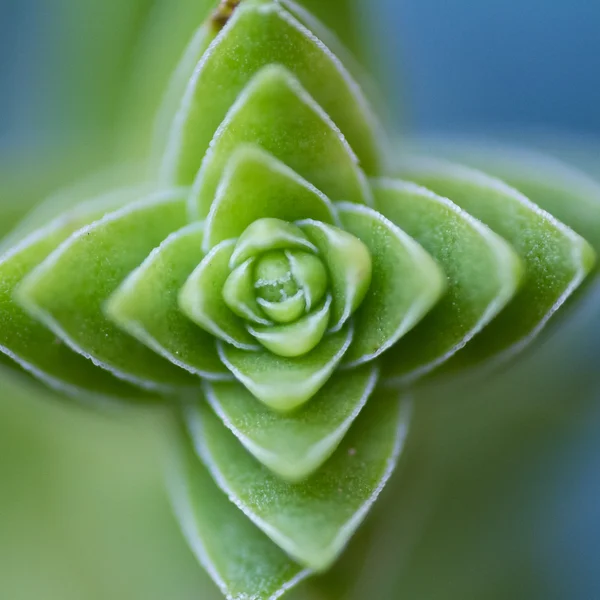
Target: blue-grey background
462,65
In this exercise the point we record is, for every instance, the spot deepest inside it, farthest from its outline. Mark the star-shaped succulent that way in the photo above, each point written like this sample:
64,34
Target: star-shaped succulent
282,283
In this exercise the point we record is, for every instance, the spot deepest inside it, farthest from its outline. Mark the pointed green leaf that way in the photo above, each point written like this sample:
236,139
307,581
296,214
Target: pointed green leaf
256,185
276,113
29,343
298,338
146,306
405,285
240,296
568,194
313,520
311,276
242,561
201,298
68,291
556,259
286,311
260,34
349,266
294,446
268,234
281,383
483,274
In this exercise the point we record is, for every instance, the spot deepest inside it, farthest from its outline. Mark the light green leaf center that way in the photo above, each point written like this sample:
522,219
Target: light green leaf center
281,291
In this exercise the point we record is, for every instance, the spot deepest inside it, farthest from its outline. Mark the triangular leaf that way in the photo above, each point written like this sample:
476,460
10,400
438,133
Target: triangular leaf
294,446
201,298
298,338
276,113
482,270
243,562
146,306
284,384
312,521
29,343
556,259
405,285
349,267
565,192
256,185
261,34
67,292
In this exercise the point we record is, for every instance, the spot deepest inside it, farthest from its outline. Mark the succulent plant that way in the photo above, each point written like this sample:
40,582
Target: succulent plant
281,284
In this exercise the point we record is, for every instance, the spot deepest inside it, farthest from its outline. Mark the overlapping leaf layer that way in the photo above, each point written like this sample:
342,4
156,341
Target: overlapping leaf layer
283,286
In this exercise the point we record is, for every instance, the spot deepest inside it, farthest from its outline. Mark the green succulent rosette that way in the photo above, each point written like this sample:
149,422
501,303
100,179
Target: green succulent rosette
282,283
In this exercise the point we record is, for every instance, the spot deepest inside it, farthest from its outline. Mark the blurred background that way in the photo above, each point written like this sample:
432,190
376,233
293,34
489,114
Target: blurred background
499,494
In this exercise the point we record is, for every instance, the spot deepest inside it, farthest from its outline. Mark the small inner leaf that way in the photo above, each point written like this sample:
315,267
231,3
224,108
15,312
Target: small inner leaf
240,296
482,270
277,114
146,306
201,298
298,338
257,36
256,185
349,266
67,292
556,259
281,383
242,561
310,275
273,279
295,445
268,234
286,311
312,521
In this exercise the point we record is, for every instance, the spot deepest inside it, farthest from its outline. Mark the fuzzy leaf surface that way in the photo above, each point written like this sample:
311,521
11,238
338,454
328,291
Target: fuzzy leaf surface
28,342
556,259
256,185
284,384
298,338
570,195
201,298
261,34
146,306
242,561
295,445
313,520
276,113
405,284
67,292
349,265
483,274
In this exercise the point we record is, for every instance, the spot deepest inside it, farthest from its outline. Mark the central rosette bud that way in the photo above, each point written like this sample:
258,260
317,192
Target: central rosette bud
288,283
280,285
